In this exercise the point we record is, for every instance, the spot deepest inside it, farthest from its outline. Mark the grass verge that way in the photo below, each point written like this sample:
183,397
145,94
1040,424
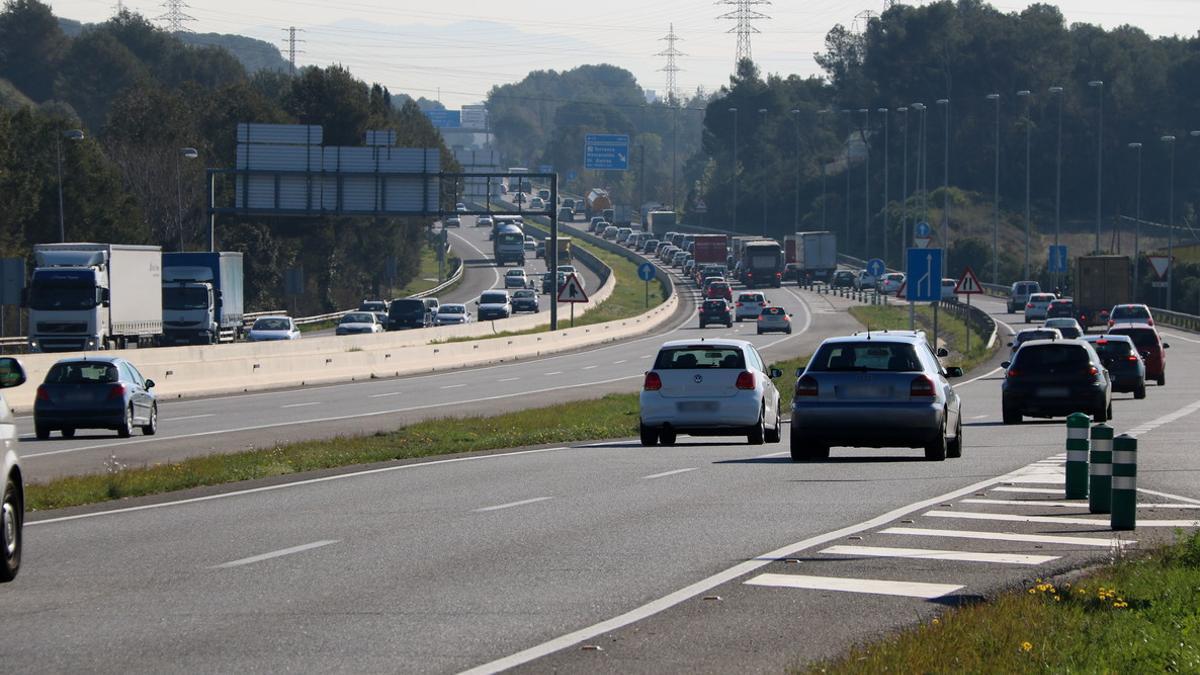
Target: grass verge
426,276
952,330
1135,616
613,416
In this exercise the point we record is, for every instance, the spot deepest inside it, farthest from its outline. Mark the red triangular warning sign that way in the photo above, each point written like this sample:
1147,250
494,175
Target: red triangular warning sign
572,290
968,284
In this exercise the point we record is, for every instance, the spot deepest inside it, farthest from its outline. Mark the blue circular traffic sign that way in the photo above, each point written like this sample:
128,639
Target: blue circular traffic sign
876,267
922,230
646,271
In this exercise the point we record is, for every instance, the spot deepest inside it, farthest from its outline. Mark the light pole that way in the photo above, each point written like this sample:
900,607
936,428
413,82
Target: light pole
734,178
184,153
762,117
1058,91
1099,85
846,236
824,192
945,102
1195,133
996,197
1025,94
796,118
866,113
904,240
1137,221
71,135
1170,141
922,159
887,135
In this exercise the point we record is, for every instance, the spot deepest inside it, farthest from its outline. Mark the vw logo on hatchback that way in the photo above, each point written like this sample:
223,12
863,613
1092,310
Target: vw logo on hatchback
699,379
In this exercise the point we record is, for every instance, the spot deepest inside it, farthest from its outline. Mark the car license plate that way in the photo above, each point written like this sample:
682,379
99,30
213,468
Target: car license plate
864,391
697,406
1053,392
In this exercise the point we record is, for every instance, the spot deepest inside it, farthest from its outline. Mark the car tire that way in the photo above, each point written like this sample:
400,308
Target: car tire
126,428
41,431
1140,392
776,434
758,432
1011,416
760,332
1161,381
936,450
12,517
702,324
954,448
667,437
151,428
68,432
739,319
729,324
649,435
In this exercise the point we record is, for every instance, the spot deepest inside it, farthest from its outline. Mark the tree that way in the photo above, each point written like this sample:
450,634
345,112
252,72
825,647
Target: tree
32,46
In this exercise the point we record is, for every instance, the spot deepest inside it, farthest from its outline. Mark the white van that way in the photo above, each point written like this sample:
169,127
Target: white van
1018,296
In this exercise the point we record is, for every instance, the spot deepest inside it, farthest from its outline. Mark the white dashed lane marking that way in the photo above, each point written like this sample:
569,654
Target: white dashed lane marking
909,589
300,405
1005,536
935,554
510,505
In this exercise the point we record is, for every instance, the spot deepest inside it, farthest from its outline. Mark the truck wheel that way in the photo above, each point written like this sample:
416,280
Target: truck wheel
11,519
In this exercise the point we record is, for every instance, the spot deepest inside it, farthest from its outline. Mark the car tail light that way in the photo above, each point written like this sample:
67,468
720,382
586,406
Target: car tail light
1132,357
1029,306
749,275
739,304
42,394
921,387
1110,323
777,275
745,380
1092,370
1012,373
1150,322
653,382
807,386
116,391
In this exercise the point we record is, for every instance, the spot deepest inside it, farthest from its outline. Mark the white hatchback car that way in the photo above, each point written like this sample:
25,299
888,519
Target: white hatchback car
269,328
749,305
709,388
890,283
1038,305
12,507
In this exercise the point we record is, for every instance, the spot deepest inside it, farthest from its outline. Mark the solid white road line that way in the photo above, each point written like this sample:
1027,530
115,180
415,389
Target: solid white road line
667,473
1082,504
1064,520
907,589
1031,490
1165,419
301,405
1167,495
1006,536
390,393
274,554
510,505
453,386
934,554
190,417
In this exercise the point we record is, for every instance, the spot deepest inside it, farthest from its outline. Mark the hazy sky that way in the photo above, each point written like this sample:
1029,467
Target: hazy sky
463,47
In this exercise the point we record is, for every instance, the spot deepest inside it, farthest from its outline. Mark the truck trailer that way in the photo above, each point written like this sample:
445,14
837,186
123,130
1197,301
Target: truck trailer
86,297
202,295
816,255
660,222
762,264
710,249
1101,281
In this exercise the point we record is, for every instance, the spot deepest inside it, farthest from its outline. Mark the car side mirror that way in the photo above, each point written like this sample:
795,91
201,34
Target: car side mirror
1010,344
799,372
102,297
149,383
942,352
954,371
11,373
1005,364
1166,346
776,373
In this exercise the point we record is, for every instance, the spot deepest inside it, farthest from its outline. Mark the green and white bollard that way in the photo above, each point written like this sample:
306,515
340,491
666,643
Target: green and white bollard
1100,470
1124,483
1077,456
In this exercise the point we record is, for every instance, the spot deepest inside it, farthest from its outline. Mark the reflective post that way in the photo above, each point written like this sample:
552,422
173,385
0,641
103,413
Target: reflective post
1077,456
1100,470
1124,483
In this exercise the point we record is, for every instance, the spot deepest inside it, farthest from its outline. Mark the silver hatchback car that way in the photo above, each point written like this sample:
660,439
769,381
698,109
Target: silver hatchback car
709,388
876,389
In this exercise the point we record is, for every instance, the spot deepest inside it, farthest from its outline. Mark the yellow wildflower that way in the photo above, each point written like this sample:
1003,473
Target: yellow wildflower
1026,646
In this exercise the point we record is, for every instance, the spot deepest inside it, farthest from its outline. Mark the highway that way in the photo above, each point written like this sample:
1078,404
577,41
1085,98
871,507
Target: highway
606,557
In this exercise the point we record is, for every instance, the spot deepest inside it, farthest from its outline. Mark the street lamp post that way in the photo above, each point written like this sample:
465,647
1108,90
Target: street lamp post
866,113
184,153
762,117
1137,221
1027,95
735,168
846,238
922,160
1170,141
71,135
1058,91
1099,85
887,135
945,102
996,197
904,240
796,217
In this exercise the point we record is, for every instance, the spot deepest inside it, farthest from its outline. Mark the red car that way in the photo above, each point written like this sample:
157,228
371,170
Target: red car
719,289
1150,345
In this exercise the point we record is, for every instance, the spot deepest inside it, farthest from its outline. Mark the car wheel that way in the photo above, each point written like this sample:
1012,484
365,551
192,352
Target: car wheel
729,324
954,448
649,435
702,324
789,331
758,432
774,435
936,450
12,517
1140,392
1162,380
41,431
151,428
126,428
760,332
666,437
68,432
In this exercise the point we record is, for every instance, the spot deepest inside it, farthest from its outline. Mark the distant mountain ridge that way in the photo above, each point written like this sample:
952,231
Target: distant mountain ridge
253,54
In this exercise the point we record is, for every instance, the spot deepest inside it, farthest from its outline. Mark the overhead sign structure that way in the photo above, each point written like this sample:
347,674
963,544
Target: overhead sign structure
445,119
1161,264
876,267
572,290
968,284
606,152
923,277
1057,259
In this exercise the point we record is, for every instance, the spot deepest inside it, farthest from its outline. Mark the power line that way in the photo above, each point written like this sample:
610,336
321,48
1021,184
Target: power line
671,69
744,14
175,17
291,46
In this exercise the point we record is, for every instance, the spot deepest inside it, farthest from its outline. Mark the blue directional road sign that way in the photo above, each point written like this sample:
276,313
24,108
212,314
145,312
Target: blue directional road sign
1057,262
445,119
922,230
545,168
572,175
606,152
646,271
923,278
876,267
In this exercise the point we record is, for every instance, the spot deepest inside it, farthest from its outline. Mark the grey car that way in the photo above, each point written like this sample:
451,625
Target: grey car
876,390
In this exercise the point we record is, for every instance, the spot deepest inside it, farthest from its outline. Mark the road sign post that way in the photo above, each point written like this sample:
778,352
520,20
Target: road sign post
923,281
572,292
646,273
922,233
606,152
968,285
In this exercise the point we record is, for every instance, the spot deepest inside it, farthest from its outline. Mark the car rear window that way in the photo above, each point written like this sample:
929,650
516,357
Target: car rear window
1051,357
1041,297
1026,336
1130,313
1112,348
714,304
772,311
700,356
866,356
493,298
82,373
406,307
1146,339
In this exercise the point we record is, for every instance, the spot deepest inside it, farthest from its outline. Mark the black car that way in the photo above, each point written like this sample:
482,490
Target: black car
1062,308
1124,363
716,310
94,392
1055,378
407,313
842,279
